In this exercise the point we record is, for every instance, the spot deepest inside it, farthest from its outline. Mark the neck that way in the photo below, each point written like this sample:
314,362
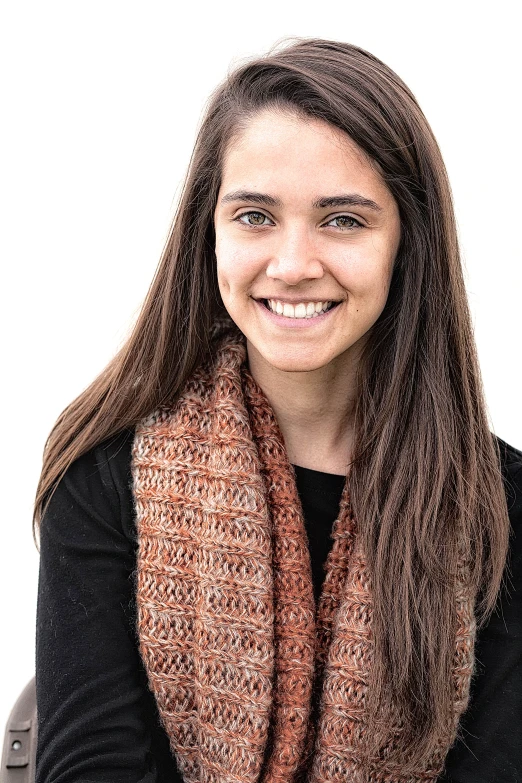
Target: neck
314,411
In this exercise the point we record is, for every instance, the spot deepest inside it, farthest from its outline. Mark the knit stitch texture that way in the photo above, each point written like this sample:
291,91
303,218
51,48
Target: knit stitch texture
229,633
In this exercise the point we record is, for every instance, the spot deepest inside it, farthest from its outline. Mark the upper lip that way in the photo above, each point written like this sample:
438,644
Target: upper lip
295,300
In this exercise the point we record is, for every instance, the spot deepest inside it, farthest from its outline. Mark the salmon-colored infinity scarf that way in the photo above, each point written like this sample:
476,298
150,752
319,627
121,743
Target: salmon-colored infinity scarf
226,618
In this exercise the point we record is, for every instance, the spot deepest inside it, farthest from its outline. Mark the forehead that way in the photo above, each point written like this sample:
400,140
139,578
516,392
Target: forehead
283,151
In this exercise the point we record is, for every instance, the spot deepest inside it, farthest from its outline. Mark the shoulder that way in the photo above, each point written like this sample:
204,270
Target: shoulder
511,467
509,455
97,487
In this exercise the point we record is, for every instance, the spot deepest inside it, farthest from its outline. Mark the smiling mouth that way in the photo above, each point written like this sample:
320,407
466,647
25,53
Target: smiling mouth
301,310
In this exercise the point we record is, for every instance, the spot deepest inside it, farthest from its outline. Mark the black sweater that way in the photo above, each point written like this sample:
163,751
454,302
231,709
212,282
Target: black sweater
97,719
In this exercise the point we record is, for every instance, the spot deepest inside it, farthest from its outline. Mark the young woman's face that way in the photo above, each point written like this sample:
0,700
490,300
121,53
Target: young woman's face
303,222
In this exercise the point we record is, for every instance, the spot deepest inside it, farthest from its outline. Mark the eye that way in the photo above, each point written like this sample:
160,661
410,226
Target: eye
345,222
253,219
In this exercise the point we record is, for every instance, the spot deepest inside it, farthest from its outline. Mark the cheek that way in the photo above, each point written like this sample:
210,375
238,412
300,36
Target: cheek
236,267
366,276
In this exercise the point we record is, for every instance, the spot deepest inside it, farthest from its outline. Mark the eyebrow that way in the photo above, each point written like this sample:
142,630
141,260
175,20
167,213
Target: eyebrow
264,199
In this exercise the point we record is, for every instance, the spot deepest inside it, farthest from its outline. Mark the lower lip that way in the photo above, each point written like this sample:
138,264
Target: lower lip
295,323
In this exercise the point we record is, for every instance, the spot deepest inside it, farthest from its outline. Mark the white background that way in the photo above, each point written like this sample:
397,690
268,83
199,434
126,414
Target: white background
99,105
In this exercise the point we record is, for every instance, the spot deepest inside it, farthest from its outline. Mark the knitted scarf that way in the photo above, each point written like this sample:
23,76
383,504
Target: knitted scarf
232,643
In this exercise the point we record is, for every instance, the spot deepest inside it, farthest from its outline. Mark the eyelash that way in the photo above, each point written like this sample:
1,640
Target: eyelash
255,212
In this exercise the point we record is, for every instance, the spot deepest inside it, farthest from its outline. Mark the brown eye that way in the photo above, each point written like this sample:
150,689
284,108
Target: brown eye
345,221
253,218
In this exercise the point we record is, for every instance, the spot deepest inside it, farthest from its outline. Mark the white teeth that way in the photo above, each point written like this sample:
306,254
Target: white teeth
301,310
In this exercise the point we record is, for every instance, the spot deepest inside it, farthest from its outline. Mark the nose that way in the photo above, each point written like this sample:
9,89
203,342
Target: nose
294,258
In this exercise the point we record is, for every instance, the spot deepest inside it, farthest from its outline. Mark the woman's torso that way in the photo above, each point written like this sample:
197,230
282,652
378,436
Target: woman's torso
97,719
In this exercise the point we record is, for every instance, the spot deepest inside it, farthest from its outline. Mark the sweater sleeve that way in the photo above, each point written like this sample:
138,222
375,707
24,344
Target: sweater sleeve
97,720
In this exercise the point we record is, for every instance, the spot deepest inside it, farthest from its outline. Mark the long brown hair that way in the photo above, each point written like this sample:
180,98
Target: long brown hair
425,479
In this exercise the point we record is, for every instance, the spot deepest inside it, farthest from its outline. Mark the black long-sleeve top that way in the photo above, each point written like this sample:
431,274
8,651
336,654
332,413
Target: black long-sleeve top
97,719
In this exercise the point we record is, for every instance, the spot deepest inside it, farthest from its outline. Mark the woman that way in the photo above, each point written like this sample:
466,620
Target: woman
275,542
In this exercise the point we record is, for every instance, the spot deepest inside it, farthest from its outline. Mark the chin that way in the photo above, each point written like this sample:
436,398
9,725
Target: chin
301,361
